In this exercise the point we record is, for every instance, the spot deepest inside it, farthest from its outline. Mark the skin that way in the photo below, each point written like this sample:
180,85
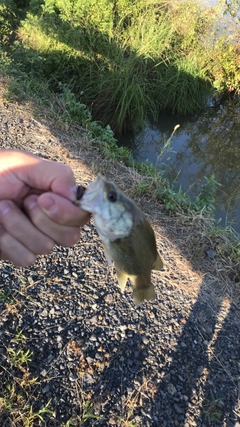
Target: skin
36,209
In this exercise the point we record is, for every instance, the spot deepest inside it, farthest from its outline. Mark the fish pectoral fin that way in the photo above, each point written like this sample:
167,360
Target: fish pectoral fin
158,264
122,279
107,255
142,289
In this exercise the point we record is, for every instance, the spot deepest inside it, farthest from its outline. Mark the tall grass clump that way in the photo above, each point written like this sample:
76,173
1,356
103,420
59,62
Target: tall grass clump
125,59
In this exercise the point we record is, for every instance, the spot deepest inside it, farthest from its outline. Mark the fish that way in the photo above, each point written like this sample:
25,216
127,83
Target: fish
128,238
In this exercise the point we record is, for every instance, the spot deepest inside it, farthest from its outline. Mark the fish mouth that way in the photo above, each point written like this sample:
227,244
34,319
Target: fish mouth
91,193
80,192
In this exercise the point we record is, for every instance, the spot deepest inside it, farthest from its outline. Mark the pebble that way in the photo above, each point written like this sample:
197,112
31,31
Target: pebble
178,408
145,340
171,388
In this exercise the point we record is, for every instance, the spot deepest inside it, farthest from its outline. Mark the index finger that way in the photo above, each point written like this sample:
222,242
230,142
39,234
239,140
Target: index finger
24,171
50,176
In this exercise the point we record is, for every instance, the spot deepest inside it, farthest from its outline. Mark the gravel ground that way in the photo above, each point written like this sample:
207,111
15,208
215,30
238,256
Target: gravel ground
94,358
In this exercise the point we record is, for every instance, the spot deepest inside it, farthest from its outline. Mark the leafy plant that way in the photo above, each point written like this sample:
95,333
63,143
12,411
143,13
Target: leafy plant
87,414
206,199
19,357
212,409
6,297
20,336
121,68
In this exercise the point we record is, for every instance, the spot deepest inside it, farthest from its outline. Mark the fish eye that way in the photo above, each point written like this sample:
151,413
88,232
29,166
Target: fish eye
112,196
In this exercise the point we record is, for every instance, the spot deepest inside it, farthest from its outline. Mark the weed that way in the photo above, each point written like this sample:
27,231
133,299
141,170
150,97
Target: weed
126,422
143,188
122,69
13,405
20,336
206,199
227,245
212,409
19,357
87,414
6,297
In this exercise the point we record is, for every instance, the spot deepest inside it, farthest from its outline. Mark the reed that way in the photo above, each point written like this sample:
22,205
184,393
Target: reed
124,59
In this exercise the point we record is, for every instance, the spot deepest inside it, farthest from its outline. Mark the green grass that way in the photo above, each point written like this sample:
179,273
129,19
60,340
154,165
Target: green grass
125,60
19,357
6,297
212,410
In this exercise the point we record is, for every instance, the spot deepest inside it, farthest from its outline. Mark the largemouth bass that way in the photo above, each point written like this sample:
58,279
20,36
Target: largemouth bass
127,236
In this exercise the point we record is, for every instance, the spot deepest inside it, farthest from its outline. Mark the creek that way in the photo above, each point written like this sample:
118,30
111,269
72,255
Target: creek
204,145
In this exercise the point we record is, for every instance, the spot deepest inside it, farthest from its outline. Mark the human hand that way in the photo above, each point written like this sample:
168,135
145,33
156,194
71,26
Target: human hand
46,190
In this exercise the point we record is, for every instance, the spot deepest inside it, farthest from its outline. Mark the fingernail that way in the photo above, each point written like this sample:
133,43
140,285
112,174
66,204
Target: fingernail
48,204
31,203
4,208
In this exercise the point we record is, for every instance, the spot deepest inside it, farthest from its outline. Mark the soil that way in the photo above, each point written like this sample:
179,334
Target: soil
95,359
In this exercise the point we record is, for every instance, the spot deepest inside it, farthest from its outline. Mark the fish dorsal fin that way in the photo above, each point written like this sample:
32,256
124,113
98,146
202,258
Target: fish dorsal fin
122,279
158,264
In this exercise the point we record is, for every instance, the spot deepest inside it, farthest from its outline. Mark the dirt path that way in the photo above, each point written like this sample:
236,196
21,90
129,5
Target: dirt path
171,362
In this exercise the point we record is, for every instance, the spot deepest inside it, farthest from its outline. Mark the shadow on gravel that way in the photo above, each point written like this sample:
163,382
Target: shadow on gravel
201,384
119,382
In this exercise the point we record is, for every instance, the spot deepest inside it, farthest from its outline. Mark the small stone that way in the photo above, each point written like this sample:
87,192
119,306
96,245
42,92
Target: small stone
93,319
46,389
98,356
145,340
43,373
109,298
211,254
167,378
171,388
88,379
73,377
44,313
178,408
200,370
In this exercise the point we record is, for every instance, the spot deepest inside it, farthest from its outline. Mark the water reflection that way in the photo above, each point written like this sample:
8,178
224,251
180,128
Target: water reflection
204,145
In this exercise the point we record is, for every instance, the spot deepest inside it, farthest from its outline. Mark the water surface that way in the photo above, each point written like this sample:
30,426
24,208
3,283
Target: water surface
206,144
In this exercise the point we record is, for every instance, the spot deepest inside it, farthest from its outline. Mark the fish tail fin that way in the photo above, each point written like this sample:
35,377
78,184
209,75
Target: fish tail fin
140,294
